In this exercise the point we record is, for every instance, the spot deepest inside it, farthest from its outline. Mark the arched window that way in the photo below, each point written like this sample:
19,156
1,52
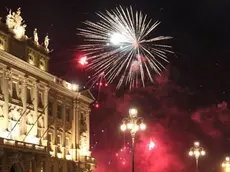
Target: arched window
16,167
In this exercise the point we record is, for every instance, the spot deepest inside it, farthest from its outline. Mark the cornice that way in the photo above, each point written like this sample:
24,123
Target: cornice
63,90
15,61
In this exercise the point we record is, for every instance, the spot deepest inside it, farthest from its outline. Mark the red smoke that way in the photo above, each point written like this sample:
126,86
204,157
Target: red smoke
170,123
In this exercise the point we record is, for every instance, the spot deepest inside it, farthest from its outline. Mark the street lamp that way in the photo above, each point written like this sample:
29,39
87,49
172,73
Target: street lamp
133,124
226,164
197,151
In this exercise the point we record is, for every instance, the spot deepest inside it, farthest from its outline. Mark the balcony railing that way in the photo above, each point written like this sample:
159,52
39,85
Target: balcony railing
14,144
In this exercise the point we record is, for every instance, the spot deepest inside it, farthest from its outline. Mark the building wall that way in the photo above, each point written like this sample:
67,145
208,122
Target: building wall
44,120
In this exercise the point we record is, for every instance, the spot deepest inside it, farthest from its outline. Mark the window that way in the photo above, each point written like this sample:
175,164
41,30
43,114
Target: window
59,111
29,96
58,140
14,91
40,102
68,114
52,168
69,168
82,118
42,166
39,133
49,137
67,142
50,107
60,169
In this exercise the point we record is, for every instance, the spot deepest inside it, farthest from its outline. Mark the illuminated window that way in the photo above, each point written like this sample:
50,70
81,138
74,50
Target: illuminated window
59,111
39,133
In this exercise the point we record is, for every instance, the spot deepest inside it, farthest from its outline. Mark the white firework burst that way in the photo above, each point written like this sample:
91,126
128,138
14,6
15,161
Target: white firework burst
120,46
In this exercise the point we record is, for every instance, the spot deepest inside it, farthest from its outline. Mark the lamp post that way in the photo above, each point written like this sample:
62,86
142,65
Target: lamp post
133,123
226,164
197,151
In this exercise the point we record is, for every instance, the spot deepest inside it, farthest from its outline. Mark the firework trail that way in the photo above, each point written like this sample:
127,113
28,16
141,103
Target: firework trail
120,46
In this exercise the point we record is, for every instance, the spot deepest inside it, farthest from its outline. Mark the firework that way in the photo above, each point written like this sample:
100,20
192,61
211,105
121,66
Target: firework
120,46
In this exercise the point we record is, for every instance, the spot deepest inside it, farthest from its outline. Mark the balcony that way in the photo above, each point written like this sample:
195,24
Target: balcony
22,146
91,161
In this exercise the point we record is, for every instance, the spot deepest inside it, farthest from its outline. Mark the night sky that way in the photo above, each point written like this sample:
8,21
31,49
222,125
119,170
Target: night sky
201,44
200,30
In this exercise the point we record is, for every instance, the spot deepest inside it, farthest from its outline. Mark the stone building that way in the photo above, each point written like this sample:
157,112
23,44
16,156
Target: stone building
44,120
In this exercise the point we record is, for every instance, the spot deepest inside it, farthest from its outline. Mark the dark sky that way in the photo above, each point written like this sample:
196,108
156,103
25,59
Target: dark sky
200,29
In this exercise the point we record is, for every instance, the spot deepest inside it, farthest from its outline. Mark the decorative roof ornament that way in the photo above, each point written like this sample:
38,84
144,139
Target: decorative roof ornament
36,36
16,24
46,42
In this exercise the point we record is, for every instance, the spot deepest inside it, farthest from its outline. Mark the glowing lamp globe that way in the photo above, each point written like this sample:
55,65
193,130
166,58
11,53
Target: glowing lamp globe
203,152
142,126
227,158
123,127
133,112
197,144
190,153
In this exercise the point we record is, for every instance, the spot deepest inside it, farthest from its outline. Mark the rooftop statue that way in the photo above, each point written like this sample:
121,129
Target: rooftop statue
15,22
36,36
46,42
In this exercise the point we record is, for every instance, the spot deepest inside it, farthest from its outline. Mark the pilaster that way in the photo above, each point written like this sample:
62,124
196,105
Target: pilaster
46,111
35,104
22,93
5,90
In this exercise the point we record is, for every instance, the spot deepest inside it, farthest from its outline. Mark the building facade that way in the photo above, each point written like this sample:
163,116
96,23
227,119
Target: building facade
44,120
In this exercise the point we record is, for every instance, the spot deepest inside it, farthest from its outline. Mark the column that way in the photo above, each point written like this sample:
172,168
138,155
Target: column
55,125
88,128
75,130
35,114
5,90
23,92
64,129
46,97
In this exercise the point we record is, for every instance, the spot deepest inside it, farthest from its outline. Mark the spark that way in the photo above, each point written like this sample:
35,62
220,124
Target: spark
151,145
83,61
120,46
